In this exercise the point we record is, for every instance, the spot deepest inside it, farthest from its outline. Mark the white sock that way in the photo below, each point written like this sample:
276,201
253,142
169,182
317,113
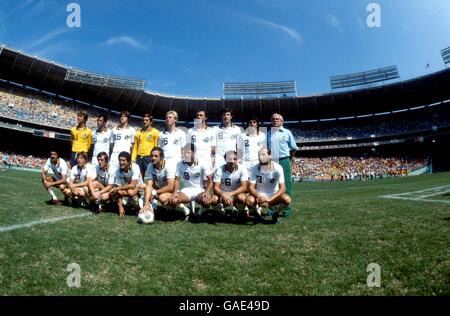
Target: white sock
52,194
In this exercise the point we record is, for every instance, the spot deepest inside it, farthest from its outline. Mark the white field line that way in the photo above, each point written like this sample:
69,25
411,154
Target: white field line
421,196
41,222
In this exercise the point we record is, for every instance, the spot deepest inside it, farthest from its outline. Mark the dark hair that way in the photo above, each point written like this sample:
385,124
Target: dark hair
149,116
83,155
228,152
204,111
253,118
125,155
54,151
103,154
105,117
226,110
160,150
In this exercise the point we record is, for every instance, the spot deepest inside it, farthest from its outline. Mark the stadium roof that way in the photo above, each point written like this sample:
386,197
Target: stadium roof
45,75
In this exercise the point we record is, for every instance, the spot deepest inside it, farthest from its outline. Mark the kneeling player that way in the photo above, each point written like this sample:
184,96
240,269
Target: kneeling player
267,187
78,183
127,181
230,184
101,181
59,178
197,180
160,181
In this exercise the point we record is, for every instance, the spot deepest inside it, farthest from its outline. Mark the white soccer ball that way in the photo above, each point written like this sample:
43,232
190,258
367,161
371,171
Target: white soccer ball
146,217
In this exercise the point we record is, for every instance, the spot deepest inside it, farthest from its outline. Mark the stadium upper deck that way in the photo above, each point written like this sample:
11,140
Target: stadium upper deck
44,75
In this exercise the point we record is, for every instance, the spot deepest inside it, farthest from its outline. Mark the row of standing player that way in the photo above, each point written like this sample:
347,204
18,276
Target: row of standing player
229,186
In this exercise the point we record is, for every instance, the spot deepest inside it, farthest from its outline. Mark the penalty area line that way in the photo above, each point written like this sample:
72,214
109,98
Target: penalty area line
41,222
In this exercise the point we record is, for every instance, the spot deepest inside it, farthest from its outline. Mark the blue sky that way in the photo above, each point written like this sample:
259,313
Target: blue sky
190,47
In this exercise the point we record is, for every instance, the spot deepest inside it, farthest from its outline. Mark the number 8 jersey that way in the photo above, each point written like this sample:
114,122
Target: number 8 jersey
193,175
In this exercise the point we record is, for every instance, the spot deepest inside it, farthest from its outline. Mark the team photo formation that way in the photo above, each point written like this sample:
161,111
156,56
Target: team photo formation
222,171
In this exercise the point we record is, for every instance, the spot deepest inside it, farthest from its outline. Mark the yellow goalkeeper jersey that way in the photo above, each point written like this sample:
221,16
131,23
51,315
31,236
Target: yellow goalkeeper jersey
144,142
81,139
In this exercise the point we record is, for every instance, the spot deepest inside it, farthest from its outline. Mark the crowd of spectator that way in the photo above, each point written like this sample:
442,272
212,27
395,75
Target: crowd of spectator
27,105
352,168
16,160
374,127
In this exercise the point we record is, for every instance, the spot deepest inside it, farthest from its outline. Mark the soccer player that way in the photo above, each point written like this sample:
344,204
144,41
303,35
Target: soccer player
144,141
204,139
78,182
59,178
127,181
81,137
101,138
230,184
267,187
160,182
122,139
226,137
172,140
100,181
197,182
249,143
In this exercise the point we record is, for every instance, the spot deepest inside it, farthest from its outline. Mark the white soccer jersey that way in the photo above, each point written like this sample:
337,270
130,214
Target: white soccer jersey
124,178
203,140
230,181
226,140
193,175
250,145
172,143
59,169
103,176
101,141
78,174
160,177
123,139
267,182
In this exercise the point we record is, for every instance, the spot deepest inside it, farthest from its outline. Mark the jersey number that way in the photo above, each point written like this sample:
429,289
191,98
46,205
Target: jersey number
165,141
194,138
228,182
259,179
247,143
186,176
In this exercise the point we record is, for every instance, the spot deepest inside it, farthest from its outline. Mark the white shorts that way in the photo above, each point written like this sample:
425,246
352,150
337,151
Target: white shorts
206,162
113,162
172,162
192,193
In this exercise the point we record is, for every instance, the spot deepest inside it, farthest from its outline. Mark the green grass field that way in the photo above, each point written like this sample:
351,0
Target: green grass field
336,231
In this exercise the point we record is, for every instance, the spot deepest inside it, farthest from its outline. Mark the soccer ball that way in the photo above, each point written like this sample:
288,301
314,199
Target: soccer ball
146,217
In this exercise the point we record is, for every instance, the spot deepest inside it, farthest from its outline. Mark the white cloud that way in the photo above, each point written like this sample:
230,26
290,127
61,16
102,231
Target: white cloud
334,21
47,38
296,36
126,40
